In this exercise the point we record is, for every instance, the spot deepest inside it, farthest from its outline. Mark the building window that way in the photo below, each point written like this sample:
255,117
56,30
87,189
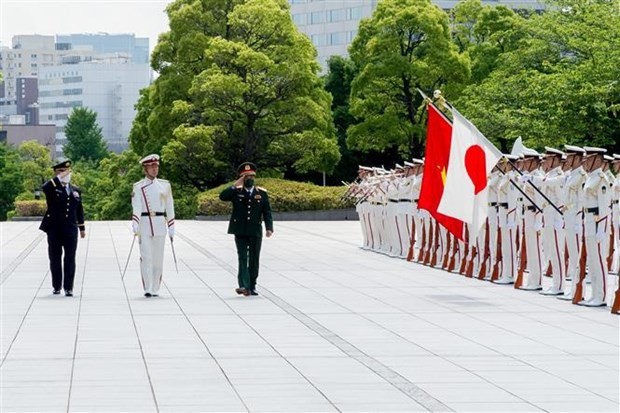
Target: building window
300,19
317,17
33,56
318,39
33,65
354,13
337,15
351,35
337,38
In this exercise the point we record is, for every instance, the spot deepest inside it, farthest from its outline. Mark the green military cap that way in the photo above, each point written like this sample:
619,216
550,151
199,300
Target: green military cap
247,168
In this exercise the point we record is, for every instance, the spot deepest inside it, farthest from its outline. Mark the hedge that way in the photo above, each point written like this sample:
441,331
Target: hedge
283,195
29,208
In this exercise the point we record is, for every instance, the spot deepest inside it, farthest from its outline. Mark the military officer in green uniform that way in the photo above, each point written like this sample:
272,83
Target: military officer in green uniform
250,208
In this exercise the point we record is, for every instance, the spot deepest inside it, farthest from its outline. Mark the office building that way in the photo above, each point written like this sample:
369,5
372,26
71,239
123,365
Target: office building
332,24
110,87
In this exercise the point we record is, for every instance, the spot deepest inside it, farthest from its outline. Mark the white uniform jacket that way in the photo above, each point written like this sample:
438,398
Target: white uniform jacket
153,207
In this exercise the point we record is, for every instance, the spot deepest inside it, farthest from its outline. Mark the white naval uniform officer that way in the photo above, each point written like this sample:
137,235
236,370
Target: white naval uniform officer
597,220
153,218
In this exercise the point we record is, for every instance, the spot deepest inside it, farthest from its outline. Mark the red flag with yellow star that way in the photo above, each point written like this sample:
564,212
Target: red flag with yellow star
437,155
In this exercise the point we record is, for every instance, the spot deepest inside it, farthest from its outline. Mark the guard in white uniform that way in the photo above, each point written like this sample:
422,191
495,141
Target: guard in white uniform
153,218
532,222
553,234
573,215
597,210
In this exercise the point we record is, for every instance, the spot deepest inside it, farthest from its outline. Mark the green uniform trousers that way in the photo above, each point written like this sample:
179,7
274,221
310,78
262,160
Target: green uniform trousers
248,253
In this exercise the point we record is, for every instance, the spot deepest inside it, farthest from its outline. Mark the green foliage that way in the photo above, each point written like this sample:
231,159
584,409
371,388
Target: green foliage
30,208
559,85
84,136
36,164
237,82
283,196
109,193
485,33
405,45
185,202
11,182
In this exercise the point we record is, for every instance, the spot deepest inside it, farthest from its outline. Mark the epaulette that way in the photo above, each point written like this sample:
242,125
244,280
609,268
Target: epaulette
261,188
137,183
53,183
163,180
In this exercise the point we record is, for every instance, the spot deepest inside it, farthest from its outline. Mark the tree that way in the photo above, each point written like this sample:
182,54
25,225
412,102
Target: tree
485,33
84,136
109,193
241,83
35,163
405,45
560,85
11,183
340,74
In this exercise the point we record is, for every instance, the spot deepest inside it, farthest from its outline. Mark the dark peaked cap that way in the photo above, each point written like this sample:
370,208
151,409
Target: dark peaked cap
62,163
246,168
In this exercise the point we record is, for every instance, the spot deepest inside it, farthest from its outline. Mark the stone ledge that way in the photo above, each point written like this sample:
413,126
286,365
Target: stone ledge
320,215
40,218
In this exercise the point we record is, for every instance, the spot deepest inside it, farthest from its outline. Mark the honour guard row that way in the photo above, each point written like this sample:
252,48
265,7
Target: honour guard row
554,214
152,220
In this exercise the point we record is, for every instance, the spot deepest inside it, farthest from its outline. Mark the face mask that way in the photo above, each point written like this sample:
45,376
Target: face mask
248,183
65,179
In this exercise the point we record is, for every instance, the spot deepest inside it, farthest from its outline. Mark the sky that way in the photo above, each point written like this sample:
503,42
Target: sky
144,18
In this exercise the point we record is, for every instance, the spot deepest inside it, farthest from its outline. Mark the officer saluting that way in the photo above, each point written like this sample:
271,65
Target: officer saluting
63,218
153,216
250,208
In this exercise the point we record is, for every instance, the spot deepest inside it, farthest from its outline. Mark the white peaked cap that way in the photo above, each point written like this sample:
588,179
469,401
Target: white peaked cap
573,148
553,151
150,159
592,149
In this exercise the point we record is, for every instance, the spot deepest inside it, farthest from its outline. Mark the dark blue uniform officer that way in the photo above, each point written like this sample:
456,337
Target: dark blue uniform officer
63,218
250,208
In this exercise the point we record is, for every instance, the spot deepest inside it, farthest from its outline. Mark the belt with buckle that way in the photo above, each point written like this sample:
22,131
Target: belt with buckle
592,211
393,200
404,200
502,204
492,204
531,208
153,214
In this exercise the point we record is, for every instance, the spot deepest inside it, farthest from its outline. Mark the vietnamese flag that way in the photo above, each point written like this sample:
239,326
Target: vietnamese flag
437,155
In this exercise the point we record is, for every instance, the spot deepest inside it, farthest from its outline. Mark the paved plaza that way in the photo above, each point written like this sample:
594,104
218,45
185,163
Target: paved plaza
335,328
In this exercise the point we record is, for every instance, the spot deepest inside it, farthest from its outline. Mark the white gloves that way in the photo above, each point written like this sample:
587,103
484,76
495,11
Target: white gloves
538,226
578,227
511,225
135,227
525,178
171,231
558,223
600,233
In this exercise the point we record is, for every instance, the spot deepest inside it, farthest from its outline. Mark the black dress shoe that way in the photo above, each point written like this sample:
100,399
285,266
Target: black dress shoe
69,293
253,292
147,295
56,292
154,295
241,291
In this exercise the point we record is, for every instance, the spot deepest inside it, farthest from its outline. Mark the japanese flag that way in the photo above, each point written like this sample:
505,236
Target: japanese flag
472,157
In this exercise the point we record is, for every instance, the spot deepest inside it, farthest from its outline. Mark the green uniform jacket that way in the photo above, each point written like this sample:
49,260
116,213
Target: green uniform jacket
249,211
